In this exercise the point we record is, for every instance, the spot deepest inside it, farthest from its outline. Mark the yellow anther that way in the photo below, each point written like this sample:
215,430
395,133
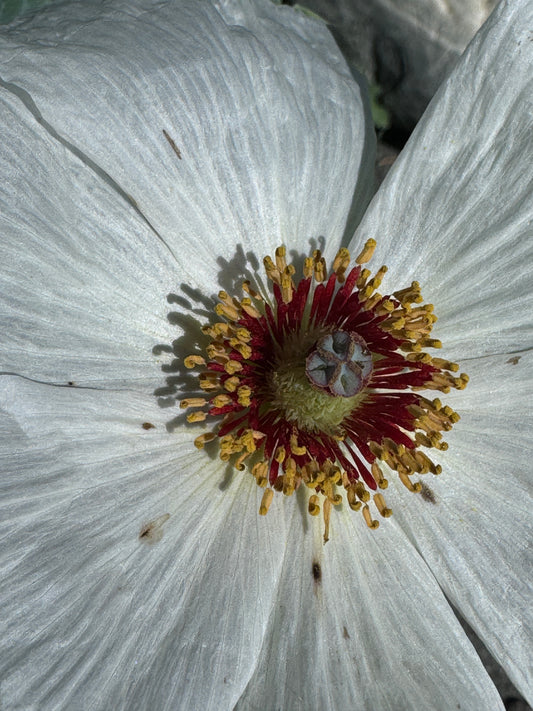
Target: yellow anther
366,253
353,502
244,396
376,280
216,350
327,515
361,491
221,400
260,472
227,311
430,343
309,265
198,416
252,292
404,478
232,367
231,384
410,294
248,308
320,269
365,274
378,476
386,307
270,268
444,364
200,441
286,288
379,500
280,258
313,506
193,402
192,361
266,500
422,440
295,447
280,455
242,348
248,440
418,357
371,302
370,522
209,384
243,334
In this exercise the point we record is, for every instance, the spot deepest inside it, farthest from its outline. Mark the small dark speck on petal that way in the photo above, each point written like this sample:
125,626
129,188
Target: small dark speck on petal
427,494
152,532
514,360
345,633
317,572
148,426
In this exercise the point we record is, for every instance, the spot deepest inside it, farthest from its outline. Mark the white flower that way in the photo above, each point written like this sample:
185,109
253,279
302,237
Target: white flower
136,573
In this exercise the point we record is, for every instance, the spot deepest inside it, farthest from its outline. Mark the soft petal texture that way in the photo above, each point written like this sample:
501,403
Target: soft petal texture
99,618
455,210
85,274
266,115
375,633
477,532
84,280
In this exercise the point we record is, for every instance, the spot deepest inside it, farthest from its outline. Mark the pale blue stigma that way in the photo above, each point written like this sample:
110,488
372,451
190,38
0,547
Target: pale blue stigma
340,363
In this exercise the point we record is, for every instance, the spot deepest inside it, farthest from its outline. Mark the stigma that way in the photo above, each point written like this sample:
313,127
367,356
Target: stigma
319,383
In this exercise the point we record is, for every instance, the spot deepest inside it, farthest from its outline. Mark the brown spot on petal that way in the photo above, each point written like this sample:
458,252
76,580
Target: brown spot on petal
152,532
427,494
172,144
345,633
514,360
317,572
147,426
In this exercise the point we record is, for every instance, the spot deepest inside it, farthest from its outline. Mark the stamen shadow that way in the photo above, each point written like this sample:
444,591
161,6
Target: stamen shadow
191,309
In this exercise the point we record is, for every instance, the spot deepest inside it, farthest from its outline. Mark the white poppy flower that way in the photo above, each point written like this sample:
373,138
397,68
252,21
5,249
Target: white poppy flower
136,572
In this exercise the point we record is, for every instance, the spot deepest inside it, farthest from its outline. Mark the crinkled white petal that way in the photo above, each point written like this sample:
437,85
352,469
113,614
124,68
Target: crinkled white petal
262,107
99,616
375,632
473,525
455,212
83,280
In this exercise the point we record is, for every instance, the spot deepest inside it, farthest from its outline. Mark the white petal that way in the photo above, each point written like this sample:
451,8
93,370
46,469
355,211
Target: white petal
258,99
100,616
83,280
455,212
474,525
375,633
408,46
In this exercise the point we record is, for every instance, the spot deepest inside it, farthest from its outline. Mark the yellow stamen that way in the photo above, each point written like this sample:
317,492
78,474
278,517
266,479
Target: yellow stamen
327,516
192,361
266,501
366,253
379,500
370,522
193,402
313,507
200,441
198,416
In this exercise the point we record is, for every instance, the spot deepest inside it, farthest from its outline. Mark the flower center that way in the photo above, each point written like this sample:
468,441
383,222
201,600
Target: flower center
318,384
340,364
